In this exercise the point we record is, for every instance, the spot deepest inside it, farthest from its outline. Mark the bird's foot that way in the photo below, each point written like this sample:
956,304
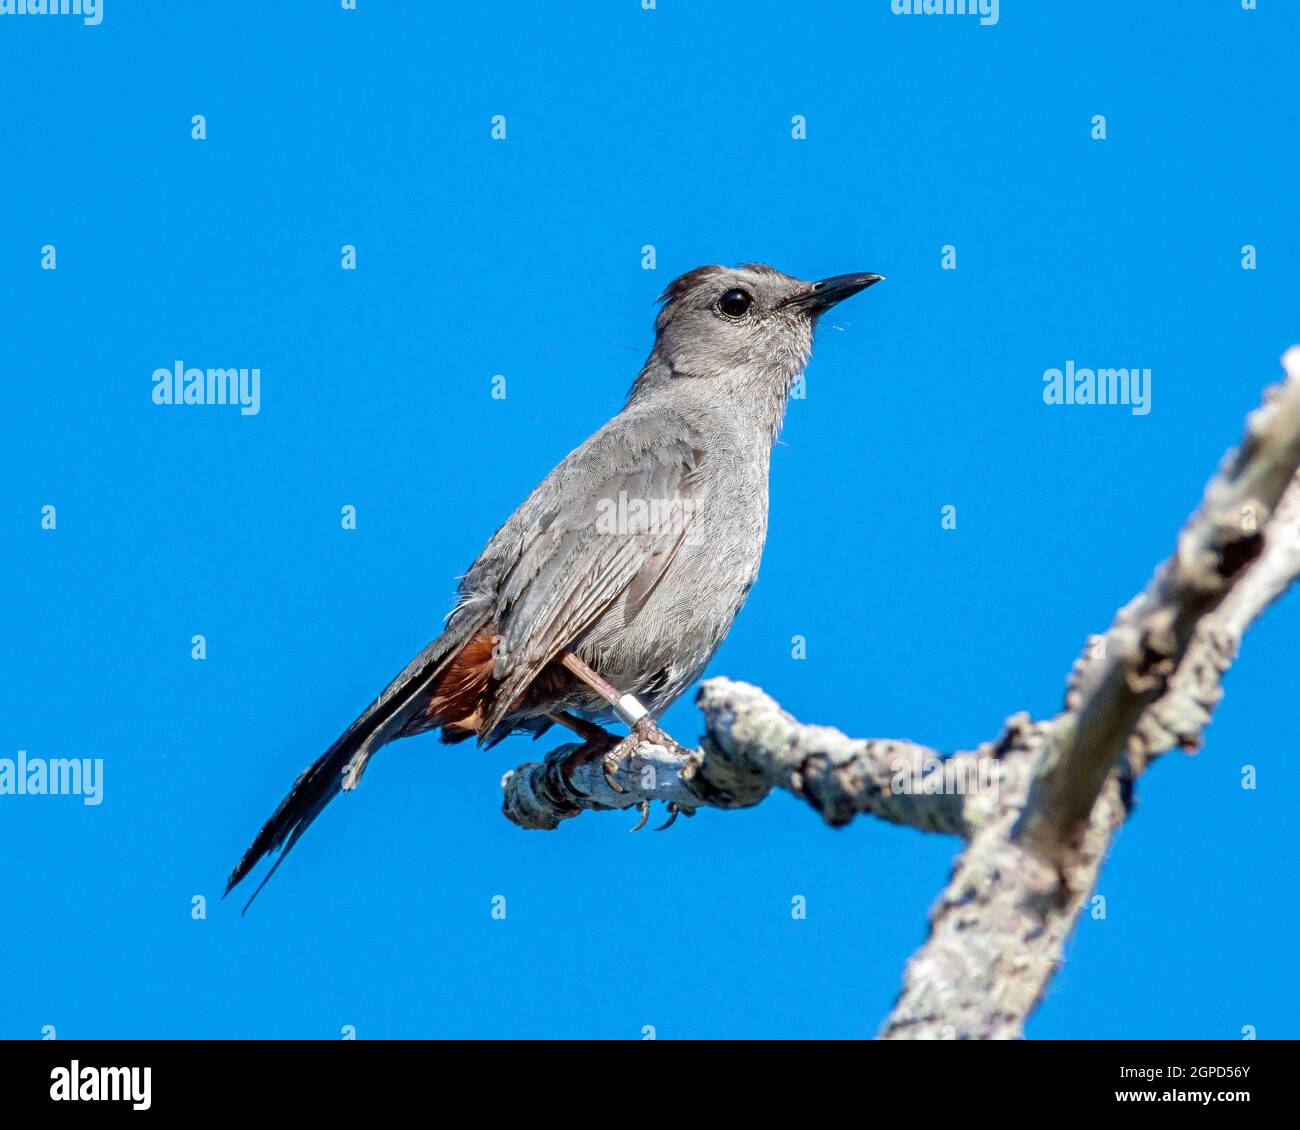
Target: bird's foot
613,752
645,732
596,744
615,757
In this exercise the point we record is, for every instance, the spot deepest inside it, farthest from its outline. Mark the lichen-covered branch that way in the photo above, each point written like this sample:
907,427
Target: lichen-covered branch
1150,636
1038,806
751,746
1000,926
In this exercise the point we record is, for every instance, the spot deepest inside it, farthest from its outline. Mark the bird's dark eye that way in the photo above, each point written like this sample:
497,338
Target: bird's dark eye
735,303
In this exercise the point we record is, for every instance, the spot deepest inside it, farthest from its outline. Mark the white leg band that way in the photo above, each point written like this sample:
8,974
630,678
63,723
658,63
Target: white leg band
630,710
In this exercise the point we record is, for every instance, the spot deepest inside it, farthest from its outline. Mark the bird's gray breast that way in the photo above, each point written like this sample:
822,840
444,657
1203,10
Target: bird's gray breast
656,645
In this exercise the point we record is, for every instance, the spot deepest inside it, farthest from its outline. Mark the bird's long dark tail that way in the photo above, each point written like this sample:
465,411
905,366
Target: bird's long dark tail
341,766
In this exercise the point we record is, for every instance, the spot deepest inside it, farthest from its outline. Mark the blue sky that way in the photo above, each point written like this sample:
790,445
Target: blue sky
523,258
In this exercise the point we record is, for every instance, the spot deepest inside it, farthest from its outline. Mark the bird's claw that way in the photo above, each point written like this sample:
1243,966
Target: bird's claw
673,812
610,764
644,809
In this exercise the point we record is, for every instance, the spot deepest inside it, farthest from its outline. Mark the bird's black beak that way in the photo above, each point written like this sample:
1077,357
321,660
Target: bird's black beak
828,292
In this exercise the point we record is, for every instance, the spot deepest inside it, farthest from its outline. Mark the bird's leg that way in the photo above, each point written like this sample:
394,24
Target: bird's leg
596,742
587,731
628,709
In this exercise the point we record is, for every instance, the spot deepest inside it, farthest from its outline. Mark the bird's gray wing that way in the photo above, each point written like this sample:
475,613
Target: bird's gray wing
607,521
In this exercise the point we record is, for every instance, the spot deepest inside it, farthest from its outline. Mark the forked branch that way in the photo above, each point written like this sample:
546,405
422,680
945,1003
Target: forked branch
1040,804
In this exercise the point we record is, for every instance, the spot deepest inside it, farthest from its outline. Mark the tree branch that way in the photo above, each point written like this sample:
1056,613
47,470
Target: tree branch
999,928
752,746
1040,805
1150,636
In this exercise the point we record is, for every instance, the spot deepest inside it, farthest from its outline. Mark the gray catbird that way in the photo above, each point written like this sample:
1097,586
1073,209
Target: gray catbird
605,594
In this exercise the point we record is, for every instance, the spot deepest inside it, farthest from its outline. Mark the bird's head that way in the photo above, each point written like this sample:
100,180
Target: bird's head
750,327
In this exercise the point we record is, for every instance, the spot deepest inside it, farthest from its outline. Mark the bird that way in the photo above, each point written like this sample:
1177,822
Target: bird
605,594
